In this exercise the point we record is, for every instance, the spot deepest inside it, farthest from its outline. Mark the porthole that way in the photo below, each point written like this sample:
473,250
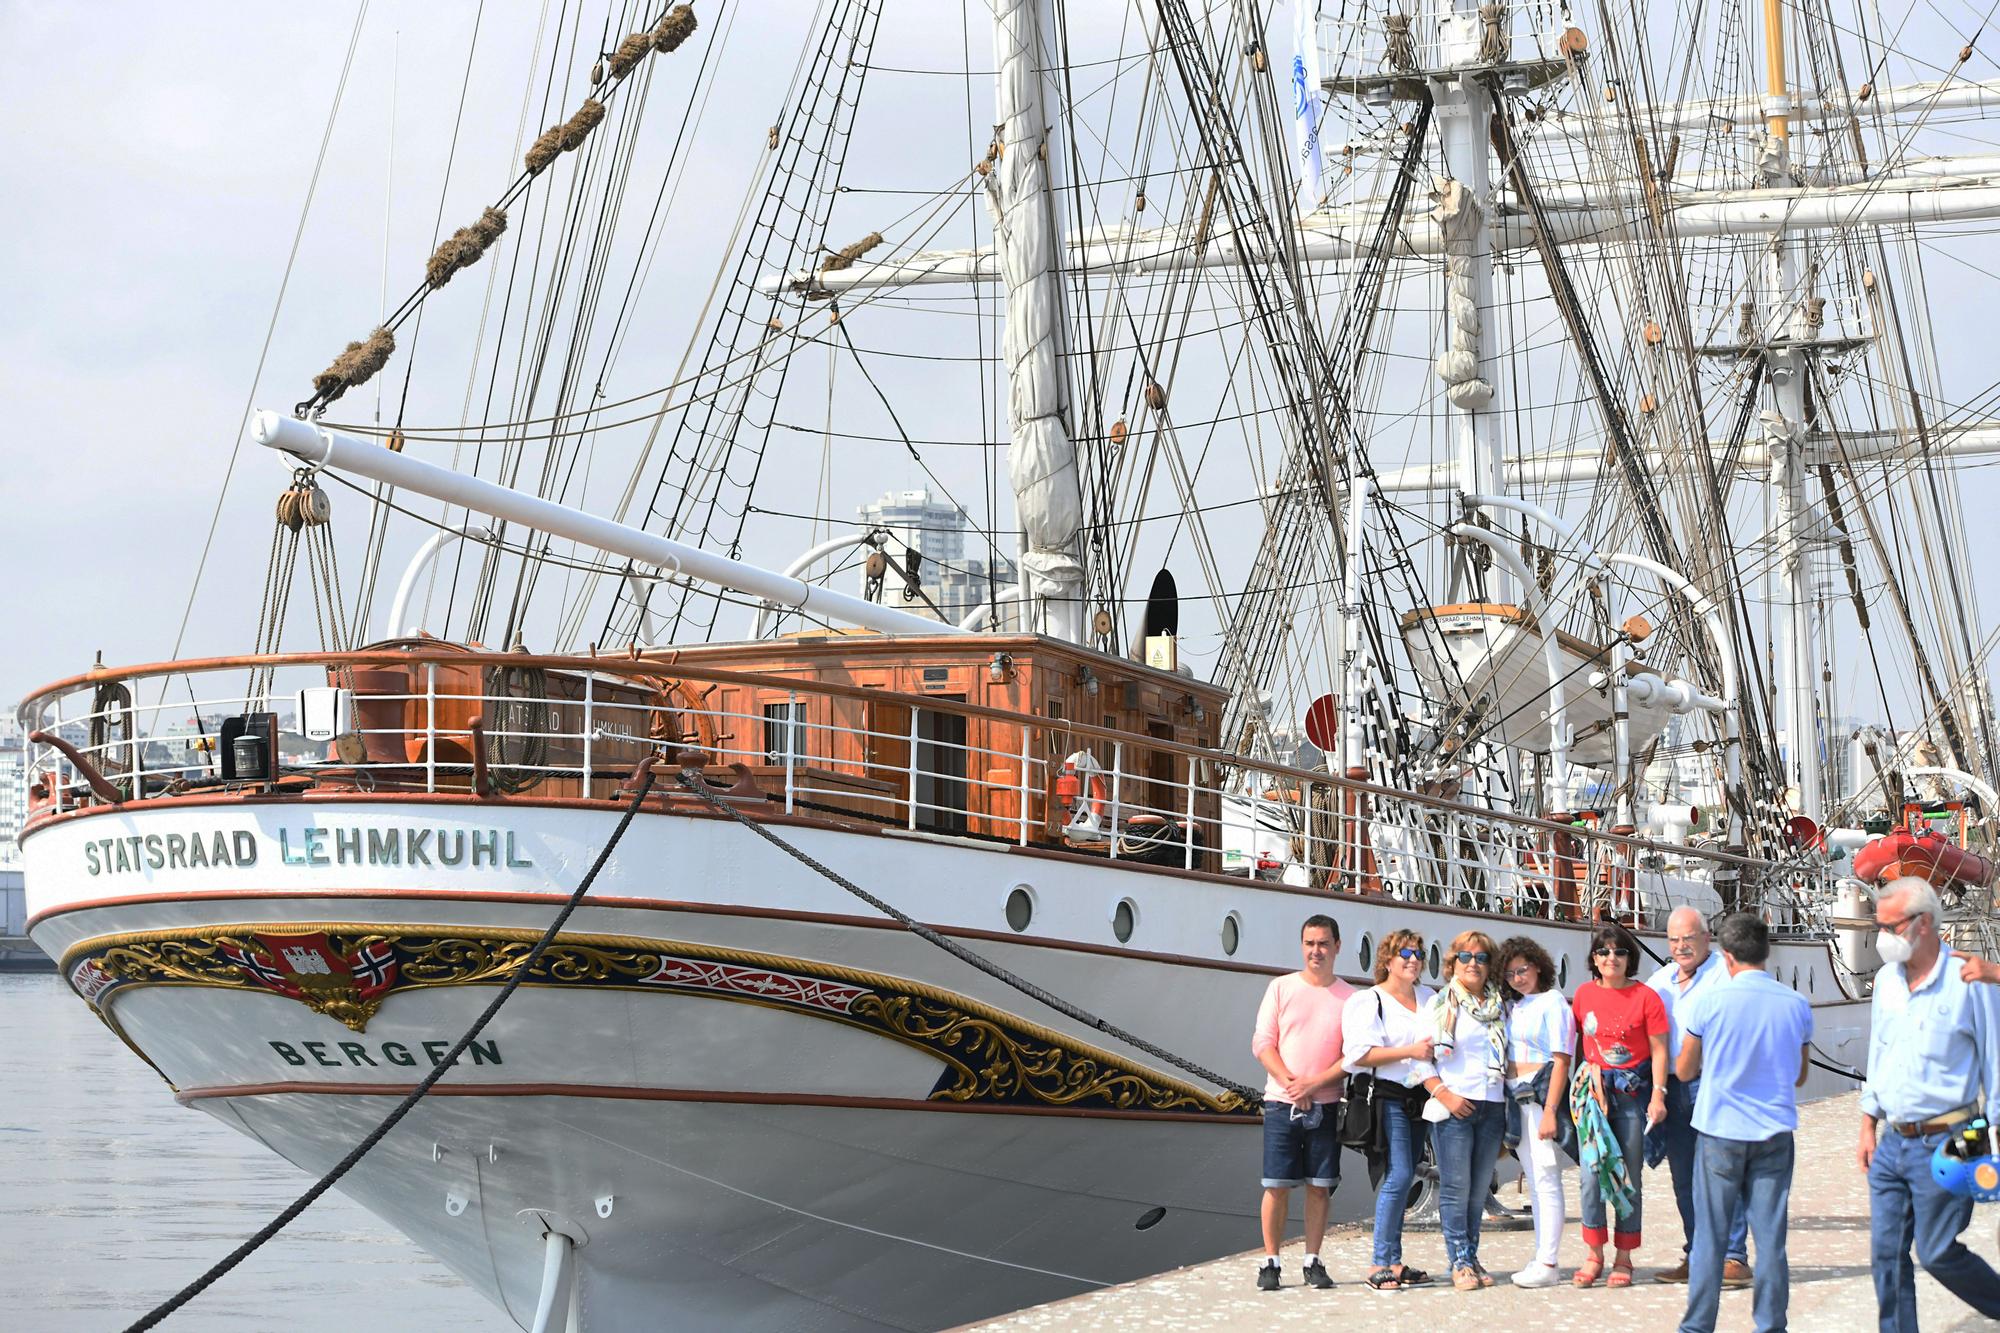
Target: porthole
1232,933
1795,976
1562,973
1123,918
1434,962
1812,982
1367,958
1020,907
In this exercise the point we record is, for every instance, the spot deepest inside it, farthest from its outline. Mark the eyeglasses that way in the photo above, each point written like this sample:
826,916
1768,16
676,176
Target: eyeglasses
1898,927
1482,957
1606,951
1407,954
1522,970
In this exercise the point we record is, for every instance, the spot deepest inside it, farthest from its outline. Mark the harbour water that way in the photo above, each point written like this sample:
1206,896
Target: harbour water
112,1197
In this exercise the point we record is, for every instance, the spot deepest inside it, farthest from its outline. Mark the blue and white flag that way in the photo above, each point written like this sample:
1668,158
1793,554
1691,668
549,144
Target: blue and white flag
1307,103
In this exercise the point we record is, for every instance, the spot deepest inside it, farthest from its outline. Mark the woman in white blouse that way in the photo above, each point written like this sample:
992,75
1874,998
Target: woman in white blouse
1385,1031
1469,1096
1541,1033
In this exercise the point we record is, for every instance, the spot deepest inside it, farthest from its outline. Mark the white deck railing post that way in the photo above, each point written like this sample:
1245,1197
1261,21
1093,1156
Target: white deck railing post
1027,736
590,731
430,727
1117,774
915,715
791,748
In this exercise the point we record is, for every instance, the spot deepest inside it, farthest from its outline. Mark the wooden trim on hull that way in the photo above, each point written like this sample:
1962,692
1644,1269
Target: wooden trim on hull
611,1092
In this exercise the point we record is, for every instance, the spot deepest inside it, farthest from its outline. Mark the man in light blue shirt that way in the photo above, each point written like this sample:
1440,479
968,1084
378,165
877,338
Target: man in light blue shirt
1933,1061
1746,1038
1695,967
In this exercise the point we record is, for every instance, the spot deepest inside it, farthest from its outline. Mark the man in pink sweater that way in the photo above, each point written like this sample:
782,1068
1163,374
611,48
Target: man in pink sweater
1298,1043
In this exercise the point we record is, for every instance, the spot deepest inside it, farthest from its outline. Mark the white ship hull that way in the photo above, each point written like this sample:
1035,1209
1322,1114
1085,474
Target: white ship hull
750,1101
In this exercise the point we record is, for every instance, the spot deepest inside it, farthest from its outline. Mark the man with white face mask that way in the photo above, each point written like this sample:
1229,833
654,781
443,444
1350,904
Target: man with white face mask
1933,1062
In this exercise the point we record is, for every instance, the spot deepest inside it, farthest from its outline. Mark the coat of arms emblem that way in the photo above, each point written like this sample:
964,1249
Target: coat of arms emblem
345,979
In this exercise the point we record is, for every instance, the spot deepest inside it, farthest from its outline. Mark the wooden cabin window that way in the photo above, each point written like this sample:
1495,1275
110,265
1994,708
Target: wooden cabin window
785,733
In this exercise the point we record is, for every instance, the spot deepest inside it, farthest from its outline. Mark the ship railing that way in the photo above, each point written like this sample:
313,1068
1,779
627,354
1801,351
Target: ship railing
567,728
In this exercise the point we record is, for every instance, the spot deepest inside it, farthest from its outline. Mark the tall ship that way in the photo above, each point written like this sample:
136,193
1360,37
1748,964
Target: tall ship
1438,465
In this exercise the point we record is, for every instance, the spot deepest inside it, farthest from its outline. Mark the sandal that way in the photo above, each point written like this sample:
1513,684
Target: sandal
1621,1274
1383,1279
1588,1273
1414,1277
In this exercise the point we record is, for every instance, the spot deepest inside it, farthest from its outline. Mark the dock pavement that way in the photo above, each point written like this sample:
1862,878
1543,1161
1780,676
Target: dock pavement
1828,1247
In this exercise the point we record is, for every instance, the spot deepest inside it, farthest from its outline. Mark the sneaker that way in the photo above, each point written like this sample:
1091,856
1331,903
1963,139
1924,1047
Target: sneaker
1464,1279
1267,1277
1736,1273
1538,1275
1678,1273
1315,1276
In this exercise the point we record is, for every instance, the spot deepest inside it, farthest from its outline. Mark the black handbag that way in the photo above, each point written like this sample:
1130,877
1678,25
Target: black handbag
1357,1113
1358,1129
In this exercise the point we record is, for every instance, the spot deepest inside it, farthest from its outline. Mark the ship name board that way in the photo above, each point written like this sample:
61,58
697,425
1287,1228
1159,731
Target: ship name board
312,845
354,1054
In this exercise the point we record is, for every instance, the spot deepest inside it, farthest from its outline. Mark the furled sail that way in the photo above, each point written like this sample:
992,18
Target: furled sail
1041,458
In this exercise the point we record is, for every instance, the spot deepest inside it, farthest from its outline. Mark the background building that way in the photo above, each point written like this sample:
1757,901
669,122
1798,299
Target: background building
958,570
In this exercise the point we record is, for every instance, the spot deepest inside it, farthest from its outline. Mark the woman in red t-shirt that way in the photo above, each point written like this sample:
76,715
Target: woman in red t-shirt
1621,1038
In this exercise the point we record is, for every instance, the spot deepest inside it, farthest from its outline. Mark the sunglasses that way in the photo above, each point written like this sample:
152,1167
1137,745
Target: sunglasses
1524,970
1407,954
1482,957
1606,951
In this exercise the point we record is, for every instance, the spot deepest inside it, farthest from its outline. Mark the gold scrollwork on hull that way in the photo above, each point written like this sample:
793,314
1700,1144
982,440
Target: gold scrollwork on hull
346,971
988,1063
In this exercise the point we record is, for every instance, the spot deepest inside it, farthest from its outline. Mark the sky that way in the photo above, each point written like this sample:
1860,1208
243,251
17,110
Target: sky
155,188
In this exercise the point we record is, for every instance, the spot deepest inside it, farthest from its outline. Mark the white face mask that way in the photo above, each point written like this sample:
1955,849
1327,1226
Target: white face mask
1893,947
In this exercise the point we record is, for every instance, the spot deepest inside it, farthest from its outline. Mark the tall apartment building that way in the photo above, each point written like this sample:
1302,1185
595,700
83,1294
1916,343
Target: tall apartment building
13,791
956,570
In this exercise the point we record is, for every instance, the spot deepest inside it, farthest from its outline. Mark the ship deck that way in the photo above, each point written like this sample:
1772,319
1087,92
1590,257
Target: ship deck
1827,1247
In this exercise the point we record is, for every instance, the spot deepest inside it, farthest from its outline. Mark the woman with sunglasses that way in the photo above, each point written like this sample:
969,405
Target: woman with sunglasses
1470,1057
1541,1035
1622,1074
1386,1031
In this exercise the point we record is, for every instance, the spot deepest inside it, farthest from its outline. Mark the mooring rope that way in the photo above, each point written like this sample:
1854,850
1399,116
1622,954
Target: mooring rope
644,777
1254,1097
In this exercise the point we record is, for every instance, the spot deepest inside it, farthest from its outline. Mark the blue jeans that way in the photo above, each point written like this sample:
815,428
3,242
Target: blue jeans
1906,1205
1466,1152
1406,1136
1739,1178
1628,1125
1681,1136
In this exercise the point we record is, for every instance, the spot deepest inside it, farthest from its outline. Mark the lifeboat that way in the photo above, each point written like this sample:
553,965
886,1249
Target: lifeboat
1927,855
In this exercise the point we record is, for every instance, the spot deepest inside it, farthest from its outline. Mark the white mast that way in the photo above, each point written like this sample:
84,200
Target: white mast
1781,319
1463,110
1041,458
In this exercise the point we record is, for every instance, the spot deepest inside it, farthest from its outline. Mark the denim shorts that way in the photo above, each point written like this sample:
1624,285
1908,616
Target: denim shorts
1297,1156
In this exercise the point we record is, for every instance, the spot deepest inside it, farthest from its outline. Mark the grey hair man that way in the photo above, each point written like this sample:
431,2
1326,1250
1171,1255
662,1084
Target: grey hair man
1694,968
1933,1063
1748,1040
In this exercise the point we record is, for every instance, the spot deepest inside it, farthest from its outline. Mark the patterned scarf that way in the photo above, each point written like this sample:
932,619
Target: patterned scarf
1597,1147
1487,1010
